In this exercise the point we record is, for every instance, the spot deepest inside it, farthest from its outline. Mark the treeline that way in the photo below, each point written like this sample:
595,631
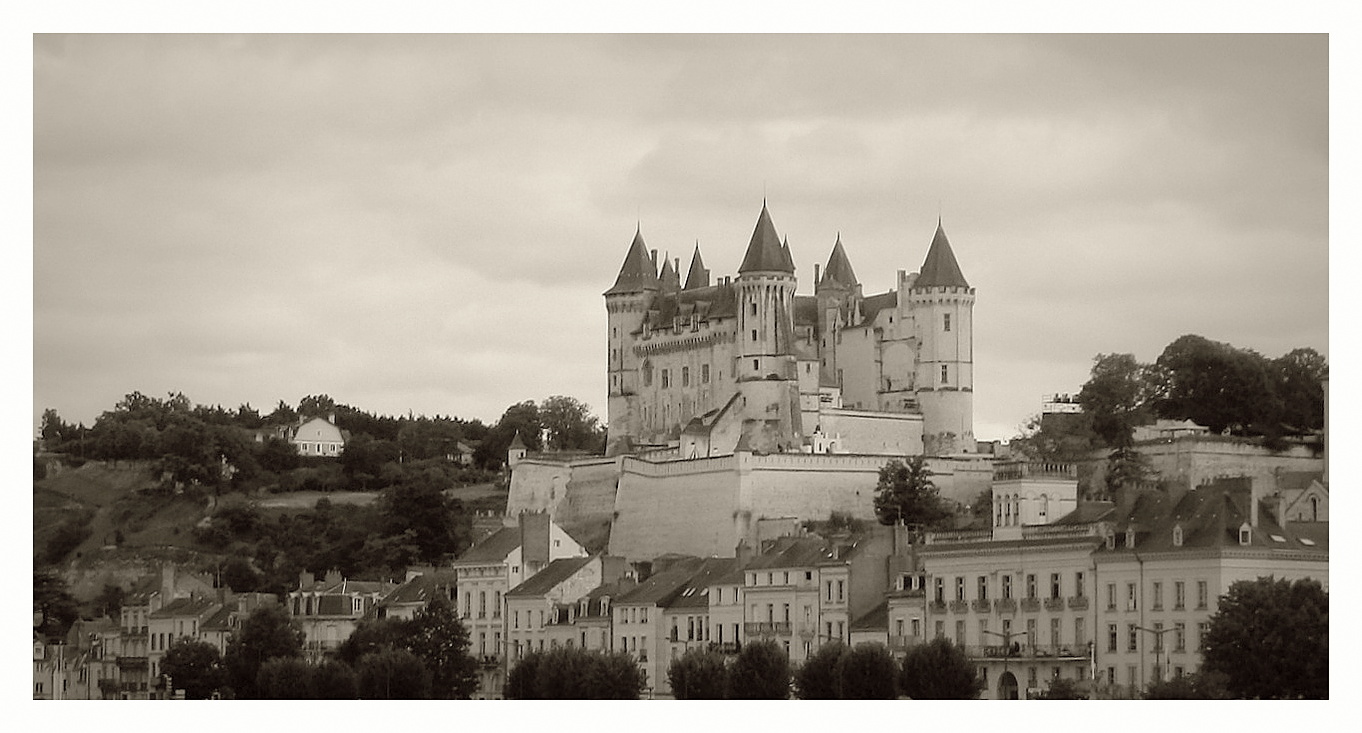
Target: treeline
1227,389
240,449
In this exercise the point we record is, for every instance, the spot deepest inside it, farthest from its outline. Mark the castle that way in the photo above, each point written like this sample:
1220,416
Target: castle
746,362
739,408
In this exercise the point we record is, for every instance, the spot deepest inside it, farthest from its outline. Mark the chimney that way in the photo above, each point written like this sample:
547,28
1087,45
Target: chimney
306,580
167,582
815,274
744,553
534,539
333,576
331,418
654,260
1281,509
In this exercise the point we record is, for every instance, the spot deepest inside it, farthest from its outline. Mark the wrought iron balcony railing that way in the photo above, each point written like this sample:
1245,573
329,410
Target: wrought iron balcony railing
1078,603
1054,604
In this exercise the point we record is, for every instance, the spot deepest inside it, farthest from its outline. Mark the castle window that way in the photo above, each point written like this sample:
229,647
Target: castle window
685,376
666,378
947,322
755,365
754,309
647,374
944,380
704,373
754,334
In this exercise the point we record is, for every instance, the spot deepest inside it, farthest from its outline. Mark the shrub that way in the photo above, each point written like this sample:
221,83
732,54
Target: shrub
761,672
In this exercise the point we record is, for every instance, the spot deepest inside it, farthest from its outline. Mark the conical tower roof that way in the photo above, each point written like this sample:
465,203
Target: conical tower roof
839,267
516,442
764,252
940,268
698,276
637,273
669,278
785,248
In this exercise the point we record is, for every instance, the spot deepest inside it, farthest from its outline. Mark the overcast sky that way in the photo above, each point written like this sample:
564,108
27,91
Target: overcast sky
427,223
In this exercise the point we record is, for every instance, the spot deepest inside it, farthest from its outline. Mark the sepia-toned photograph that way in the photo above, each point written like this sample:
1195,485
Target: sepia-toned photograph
735,366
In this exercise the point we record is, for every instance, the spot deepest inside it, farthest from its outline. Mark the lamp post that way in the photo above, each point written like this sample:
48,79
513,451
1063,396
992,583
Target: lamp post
1158,648
1007,643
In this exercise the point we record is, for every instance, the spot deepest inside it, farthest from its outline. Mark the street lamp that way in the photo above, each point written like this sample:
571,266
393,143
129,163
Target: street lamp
1007,643
1158,648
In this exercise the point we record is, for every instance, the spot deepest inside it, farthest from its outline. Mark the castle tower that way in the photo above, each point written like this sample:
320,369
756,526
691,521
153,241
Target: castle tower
670,277
764,343
836,292
698,275
626,303
942,305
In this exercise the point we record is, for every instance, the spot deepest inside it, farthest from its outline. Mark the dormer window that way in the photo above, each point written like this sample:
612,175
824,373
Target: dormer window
1245,534
1111,540
1177,535
1130,538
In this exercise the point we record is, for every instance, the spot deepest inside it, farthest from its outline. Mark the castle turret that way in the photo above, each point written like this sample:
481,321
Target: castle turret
942,304
626,304
765,347
836,292
698,275
669,278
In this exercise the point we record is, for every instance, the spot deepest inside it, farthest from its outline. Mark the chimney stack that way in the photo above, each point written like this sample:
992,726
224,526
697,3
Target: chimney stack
534,539
654,260
815,274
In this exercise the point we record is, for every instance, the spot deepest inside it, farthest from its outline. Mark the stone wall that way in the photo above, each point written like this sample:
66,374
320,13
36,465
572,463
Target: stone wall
570,491
688,507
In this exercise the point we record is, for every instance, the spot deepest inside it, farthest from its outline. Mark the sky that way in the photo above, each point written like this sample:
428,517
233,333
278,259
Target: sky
428,223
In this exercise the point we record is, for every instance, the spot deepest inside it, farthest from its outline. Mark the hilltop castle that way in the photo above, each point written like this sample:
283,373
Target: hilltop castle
746,363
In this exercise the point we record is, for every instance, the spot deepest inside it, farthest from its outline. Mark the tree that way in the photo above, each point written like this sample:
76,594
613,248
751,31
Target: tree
761,672
277,455
420,507
570,424
1216,385
1063,688
939,670
316,406
393,674
1270,638
52,599
53,430
436,635
369,636
905,493
520,681
195,667
1299,376
1200,686
867,672
1117,396
334,680
266,633
699,674
284,678
613,676
817,678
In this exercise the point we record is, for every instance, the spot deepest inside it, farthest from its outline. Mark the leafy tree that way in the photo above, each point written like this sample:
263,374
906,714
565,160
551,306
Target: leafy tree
1216,385
283,414
570,424
393,674
1063,688
316,406
905,493
52,599
1200,686
436,635
867,672
285,678
369,636
612,676
699,674
1127,467
334,680
939,670
522,418
1299,376
521,680
277,455
1270,638
239,575
54,430
761,672
817,678
419,507
266,633
109,602
195,667
1065,437
1117,396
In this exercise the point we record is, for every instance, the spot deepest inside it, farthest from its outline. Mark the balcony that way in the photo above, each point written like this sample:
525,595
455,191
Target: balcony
901,643
1005,605
727,647
1028,651
1030,604
1018,470
767,628
937,607
959,606
981,605
1078,603
487,660
1054,604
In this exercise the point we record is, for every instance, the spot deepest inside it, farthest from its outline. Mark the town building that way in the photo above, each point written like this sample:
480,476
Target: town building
328,610
530,606
318,437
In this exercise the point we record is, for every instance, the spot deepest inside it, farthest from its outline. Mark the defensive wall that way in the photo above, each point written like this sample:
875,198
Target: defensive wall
1192,460
571,491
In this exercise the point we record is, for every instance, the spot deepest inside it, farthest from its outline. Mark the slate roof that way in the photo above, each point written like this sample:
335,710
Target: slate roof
940,268
793,552
219,621
1292,481
839,270
545,580
698,275
185,607
694,593
714,301
876,619
872,305
637,273
806,310
765,253
661,587
669,278
493,548
420,590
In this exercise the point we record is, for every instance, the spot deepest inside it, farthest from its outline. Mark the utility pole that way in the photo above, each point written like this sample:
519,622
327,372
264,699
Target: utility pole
1158,648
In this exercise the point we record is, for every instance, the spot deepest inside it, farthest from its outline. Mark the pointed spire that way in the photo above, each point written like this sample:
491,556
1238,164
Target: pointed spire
669,278
698,276
785,248
764,252
637,273
940,268
839,270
